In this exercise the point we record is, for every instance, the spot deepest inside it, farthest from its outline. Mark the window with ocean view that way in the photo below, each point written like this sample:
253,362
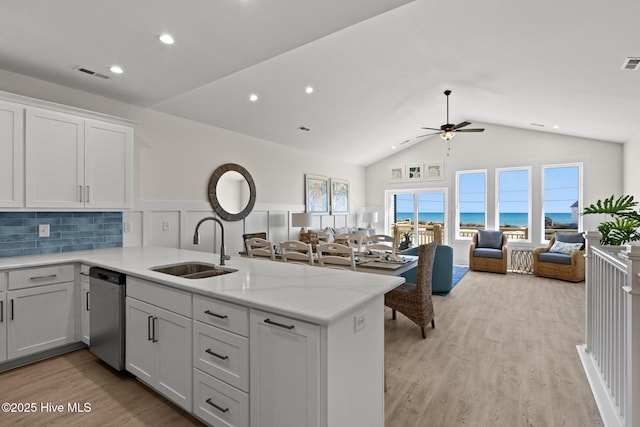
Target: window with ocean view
428,206
471,190
562,201
513,202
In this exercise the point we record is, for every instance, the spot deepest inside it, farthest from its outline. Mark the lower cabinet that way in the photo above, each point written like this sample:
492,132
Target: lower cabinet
158,350
40,318
85,306
284,371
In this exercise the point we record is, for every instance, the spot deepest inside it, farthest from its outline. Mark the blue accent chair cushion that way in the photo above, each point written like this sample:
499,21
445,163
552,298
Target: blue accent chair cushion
442,276
490,239
555,257
488,253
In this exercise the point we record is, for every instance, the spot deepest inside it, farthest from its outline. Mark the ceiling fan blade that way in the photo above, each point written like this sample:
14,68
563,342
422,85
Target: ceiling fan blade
429,134
470,130
431,129
461,125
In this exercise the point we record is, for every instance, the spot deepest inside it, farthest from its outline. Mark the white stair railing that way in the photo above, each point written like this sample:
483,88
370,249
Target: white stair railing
611,354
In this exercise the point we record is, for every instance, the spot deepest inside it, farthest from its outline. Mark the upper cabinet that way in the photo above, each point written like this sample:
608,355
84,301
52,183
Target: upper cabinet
75,162
11,155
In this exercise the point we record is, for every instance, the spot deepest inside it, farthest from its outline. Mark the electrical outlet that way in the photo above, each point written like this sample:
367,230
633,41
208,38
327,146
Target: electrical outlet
166,225
359,321
43,230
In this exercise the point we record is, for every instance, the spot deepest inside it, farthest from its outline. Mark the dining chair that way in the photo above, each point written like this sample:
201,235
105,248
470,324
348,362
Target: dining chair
414,299
257,247
297,252
380,242
353,240
246,236
335,255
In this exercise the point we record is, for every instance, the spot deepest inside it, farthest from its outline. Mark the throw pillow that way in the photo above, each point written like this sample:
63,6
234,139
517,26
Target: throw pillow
490,239
565,248
570,238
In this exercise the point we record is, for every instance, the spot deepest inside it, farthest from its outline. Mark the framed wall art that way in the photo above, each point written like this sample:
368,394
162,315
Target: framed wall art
397,174
316,193
434,171
414,172
339,196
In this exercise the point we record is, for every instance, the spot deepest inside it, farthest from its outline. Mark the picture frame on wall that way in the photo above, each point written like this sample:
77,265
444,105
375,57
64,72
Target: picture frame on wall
415,172
434,171
316,194
397,174
339,196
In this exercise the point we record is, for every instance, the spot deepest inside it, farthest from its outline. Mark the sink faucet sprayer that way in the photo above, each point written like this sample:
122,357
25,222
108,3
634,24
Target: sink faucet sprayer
196,237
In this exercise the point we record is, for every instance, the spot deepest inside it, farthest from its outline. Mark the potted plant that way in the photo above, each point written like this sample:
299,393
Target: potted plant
625,224
406,240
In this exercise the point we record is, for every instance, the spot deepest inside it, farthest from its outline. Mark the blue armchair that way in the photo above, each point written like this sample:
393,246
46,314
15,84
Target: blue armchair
442,275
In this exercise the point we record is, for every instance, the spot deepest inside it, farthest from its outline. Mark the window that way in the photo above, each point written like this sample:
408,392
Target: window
513,202
471,189
562,199
427,205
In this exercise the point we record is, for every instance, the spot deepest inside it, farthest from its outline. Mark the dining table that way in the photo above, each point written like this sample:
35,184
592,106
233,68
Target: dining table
377,264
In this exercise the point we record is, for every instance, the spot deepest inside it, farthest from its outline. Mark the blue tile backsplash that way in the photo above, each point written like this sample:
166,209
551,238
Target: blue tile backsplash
68,231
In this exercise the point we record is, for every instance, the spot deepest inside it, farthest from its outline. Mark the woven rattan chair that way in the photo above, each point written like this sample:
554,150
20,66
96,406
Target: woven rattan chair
414,300
257,247
559,266
335,255
483,258
296,251
380,242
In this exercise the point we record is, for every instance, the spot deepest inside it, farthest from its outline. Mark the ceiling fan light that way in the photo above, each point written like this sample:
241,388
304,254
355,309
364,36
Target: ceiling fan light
448,135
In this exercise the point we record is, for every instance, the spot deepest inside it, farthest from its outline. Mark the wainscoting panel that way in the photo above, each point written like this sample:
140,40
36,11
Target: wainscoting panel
164,227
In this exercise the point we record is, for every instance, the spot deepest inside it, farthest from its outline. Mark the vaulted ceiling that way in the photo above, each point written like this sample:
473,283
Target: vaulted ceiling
378,68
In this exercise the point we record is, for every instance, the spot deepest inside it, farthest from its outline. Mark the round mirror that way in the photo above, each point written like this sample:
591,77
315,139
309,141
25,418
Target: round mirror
232,192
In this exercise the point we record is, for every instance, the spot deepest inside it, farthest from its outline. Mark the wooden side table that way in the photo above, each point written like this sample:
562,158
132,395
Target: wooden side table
522,260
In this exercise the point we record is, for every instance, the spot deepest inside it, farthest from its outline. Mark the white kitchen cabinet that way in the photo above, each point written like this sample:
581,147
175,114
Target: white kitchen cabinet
158,349
85,306
40,318
3,317
11,154
284,371
73,162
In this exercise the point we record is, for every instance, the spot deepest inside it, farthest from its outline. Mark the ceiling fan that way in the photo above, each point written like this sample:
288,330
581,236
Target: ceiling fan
448,130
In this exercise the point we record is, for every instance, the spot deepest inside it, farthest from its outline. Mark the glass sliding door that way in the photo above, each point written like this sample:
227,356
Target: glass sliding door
417,216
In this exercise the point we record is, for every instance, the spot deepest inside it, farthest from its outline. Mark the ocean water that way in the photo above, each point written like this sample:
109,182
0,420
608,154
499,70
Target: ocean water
516,219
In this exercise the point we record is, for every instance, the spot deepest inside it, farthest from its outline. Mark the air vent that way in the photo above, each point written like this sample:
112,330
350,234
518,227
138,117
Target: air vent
405,142
631,63
540,125
304,128
91,72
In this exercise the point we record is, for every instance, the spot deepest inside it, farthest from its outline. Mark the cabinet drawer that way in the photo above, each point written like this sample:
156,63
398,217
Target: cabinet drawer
30,277
218,403
225,315
159,295
221,354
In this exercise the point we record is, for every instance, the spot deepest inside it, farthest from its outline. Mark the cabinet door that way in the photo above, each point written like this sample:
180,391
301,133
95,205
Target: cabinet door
54,159
285,371
11,155
140,345
174,362
108,165
3,326
40,318
85,306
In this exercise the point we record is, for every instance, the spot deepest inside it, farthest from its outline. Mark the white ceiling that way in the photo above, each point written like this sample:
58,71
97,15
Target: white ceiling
378,67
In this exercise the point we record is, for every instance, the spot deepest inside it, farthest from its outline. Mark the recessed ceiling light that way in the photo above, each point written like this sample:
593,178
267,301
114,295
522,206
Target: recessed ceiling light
166,39
556,127
308,89
116,69
393,147
253,97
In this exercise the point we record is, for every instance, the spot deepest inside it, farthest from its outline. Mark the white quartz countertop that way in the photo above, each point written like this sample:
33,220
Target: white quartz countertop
315,294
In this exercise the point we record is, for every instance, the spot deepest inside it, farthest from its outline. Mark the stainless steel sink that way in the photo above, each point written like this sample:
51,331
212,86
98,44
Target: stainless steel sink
193,270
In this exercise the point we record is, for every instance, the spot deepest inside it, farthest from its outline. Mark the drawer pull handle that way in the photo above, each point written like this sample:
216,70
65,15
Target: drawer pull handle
1,311
219,408
50,276
271,322
87,300
149,336
219,316
219,356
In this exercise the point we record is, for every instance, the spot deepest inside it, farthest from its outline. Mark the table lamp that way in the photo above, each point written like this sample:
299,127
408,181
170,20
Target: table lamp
371,218
302,219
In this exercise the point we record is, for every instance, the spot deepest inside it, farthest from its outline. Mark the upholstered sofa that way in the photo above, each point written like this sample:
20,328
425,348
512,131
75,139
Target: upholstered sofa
442,275
488,251
562,259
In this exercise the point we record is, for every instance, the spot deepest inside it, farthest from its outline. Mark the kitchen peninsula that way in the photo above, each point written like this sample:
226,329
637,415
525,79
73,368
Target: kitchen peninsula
268,344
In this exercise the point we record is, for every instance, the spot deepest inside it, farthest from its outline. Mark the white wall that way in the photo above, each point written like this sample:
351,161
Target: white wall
631,177
174,159
500,147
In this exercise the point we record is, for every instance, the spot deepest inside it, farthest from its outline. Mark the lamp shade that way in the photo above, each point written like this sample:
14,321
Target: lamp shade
370,217
302,219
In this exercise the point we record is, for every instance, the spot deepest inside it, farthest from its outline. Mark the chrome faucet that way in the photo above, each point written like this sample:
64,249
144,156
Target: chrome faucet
196,237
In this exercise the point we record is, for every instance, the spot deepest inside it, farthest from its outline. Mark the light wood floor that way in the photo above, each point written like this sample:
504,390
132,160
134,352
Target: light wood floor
502,354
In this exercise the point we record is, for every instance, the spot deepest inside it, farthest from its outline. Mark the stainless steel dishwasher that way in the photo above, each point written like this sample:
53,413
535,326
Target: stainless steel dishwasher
107,321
